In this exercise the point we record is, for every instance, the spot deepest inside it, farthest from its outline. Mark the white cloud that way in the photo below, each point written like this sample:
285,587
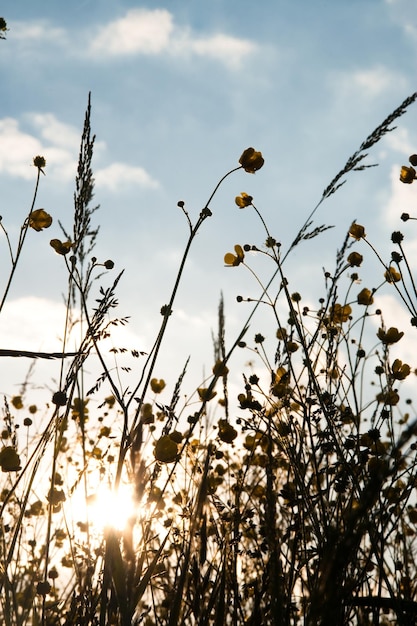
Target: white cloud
370,83
118,175
143,31
54,131
400,142
41,30
31,323
229,50
17,148
140,31
402,199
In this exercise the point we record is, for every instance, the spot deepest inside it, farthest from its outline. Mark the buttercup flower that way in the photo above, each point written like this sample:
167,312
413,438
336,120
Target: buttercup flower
413,159
9,460
357,231
40,219
226,431
61,247
407,174
392,335
235,259
251,160
243,200
166,450
340,313
157,385
392,275
365,297
355,259
400,370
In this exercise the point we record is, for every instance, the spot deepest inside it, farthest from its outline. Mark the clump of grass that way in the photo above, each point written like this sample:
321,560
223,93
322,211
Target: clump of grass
298,507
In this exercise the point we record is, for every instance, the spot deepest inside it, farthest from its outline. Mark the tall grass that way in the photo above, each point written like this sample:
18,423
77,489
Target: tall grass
297,508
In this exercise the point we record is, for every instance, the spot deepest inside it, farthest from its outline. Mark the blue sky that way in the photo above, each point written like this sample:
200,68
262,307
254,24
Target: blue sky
179,90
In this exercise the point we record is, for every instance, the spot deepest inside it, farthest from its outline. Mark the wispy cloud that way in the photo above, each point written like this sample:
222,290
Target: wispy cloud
40,30
138,32
118,175
370,82
152,32
401,200
147,32
18,147
59,144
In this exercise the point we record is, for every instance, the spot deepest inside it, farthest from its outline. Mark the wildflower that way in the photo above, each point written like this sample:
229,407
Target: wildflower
166,449
243,200
157,385
220,369
9,460
392,335
355,259
17,402
340,313
39,220
392,276
357,231
400,370
43,588
39,162
397,236
389,398
365,297
226,431
251,161
413,159
234,259
61,247
59,398
407,174
3,27
205,394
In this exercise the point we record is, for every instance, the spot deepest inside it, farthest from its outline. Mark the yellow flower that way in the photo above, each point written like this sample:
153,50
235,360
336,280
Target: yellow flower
392,275
365,297
251,160
235,259
61,247
17,402
40,219
9,460
243,200
392,335
166,450
390,398
407,174
340,313
355,259
205,394
357,231
157,385
226,431
400,370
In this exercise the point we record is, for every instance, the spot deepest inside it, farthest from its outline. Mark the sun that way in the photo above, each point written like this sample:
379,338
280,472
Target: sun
108,508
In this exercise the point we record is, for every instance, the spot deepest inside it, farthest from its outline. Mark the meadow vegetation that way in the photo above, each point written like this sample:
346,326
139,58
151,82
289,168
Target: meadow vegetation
292,504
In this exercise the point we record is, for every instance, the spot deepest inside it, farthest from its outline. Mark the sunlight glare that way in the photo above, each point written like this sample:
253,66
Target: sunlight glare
108,509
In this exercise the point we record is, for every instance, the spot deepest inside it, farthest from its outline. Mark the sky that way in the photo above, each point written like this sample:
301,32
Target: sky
179,89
